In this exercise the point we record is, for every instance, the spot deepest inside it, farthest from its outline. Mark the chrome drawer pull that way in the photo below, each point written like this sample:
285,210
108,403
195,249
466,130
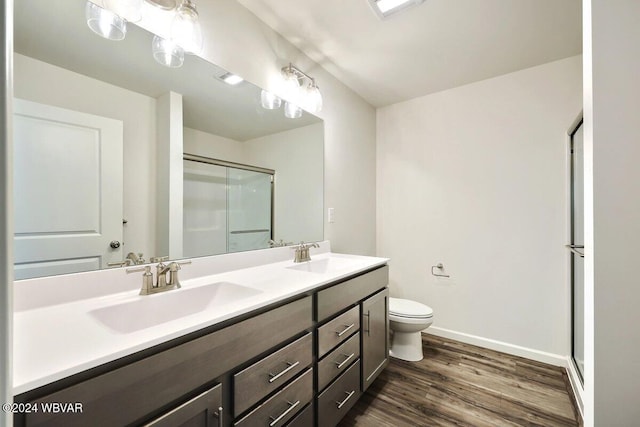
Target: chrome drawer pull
284,414
345,329
219,415
341,404
273,377
340,365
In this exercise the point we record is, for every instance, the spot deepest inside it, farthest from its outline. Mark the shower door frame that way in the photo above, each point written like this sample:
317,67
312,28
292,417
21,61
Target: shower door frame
571,163
227,164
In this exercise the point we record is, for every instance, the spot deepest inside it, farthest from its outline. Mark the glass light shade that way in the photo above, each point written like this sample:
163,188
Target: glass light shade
185,29
104,22
291,87
313,98
292,111
269,101
166,52
131,10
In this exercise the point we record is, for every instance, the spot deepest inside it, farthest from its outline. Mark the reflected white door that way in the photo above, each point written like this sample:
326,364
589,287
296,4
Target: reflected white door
67,190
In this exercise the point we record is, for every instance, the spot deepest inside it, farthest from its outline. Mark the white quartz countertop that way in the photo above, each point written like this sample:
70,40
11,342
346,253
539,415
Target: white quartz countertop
55,341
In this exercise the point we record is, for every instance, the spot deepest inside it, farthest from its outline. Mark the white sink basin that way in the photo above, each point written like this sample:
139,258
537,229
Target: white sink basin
151,310
324,265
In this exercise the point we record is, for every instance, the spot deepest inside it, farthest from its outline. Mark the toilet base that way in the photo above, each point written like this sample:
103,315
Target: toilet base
407,346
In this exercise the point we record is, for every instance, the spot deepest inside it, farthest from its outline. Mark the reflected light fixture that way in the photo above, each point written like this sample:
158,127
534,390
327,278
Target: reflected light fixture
385,8
310,98
269,101
166,52
185,29
130,10
292,111
104,22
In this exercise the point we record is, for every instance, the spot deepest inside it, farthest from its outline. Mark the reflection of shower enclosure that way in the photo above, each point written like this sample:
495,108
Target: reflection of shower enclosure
227,207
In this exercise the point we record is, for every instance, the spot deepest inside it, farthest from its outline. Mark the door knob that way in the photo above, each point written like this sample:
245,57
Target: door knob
114,244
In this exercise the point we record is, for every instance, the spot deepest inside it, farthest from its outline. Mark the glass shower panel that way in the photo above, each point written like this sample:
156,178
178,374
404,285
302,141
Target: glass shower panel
577,237
204,209
249,213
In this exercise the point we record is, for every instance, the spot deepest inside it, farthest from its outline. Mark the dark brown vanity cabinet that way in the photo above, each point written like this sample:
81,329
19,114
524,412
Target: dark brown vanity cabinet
301,363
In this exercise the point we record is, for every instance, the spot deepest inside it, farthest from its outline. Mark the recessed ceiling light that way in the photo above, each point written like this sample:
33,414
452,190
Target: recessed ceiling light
384,8
231,79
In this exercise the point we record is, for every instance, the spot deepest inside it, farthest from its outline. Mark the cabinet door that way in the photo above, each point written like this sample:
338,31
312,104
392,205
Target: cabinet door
204,410
375,336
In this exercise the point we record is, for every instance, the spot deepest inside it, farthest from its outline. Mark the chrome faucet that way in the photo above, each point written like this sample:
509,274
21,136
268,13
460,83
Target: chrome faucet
135,259
131,259
281,243
302,251
161,285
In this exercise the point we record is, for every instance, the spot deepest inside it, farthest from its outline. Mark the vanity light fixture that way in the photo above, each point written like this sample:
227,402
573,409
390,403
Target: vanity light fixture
109,19
231,79
104,22
130,10
292,111
385,8
163,4
185,29
310,98
269,101
166,52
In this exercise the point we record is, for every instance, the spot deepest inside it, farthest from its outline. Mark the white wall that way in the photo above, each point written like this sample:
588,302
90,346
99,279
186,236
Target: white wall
33,81
296,156
214,146
612,107
475,177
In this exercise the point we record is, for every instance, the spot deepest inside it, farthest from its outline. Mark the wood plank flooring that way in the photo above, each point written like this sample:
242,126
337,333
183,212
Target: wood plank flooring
458,384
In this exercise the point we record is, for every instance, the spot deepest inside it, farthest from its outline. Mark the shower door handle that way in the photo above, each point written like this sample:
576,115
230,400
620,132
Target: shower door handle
574,249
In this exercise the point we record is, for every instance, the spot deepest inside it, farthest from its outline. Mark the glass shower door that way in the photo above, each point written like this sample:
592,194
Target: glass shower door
577,247
249,207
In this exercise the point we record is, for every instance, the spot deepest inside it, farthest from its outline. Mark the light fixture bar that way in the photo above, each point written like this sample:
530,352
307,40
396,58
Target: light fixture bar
298,72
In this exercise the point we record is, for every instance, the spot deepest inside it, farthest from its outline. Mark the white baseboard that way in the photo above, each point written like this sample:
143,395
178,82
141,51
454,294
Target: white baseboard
576,384
516,350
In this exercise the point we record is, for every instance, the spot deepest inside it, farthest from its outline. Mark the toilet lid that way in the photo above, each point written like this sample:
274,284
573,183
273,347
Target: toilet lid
407,308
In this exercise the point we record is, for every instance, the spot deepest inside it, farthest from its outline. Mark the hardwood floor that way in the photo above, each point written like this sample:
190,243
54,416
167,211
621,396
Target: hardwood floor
459,384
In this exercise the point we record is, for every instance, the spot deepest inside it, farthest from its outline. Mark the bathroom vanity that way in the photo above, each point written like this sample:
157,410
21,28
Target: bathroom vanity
298,352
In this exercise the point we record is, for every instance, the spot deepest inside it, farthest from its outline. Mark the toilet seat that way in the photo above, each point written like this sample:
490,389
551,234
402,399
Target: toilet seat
407,309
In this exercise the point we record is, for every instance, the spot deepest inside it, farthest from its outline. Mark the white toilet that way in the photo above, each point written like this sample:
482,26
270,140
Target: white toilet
406,319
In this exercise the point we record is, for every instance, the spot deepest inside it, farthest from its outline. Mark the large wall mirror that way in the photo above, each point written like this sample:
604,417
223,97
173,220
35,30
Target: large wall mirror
96,164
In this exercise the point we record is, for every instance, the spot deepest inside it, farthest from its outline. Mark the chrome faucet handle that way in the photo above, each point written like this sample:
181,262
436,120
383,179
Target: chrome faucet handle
126,262
147,279
174,267
155,259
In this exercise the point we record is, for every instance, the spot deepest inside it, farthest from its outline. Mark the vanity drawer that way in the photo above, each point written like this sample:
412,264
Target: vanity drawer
304,418
283,406
342,295
337,330
338,360
267,375
335,401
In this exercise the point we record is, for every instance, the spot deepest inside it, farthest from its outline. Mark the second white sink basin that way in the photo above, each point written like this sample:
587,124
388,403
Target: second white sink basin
324,265
151,310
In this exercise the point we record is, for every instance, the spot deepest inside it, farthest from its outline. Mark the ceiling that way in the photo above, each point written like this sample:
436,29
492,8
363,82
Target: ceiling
438,45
